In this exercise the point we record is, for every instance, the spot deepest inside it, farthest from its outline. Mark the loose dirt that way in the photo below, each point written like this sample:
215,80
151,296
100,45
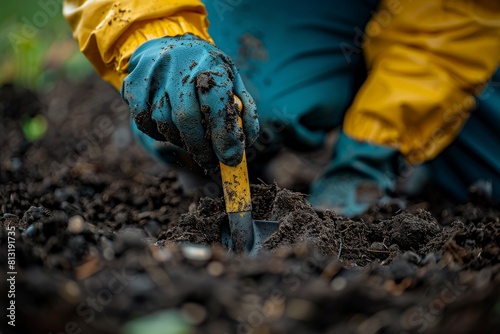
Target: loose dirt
107,242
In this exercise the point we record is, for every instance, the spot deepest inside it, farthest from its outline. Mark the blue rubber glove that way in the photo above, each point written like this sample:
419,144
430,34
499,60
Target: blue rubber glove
180,90
359,175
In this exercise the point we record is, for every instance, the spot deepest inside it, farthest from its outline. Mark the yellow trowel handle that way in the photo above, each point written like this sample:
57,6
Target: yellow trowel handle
235,181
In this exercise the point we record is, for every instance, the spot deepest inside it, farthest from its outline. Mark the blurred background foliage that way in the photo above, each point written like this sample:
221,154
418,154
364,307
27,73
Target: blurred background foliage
36,45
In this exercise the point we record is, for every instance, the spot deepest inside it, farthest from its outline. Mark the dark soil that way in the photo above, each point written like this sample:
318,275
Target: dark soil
104,244
204,82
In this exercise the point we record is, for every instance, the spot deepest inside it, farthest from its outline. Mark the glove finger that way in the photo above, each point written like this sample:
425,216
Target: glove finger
140,108
162,115
192,127
215,93
249,115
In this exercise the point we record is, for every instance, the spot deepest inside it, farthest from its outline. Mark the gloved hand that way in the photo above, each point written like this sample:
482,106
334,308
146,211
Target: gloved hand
180,89
359,175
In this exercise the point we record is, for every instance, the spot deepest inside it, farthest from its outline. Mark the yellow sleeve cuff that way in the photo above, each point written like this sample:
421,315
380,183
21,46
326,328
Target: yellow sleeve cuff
109,32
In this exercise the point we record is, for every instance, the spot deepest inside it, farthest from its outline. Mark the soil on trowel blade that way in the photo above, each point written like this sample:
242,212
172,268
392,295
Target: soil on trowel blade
107,242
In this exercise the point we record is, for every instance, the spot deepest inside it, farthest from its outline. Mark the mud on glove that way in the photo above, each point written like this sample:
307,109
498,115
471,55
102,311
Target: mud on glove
180,90
359,175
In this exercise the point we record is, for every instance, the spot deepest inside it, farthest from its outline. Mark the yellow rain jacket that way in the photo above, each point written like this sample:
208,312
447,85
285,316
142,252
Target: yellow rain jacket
427,60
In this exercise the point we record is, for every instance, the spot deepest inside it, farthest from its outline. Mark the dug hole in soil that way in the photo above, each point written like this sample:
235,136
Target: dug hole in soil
107,242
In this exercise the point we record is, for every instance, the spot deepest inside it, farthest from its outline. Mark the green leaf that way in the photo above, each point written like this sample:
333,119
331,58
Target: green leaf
34,128
170,321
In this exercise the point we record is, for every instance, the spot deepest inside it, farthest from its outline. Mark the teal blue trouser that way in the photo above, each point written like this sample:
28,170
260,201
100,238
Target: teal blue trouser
475,155
291,55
